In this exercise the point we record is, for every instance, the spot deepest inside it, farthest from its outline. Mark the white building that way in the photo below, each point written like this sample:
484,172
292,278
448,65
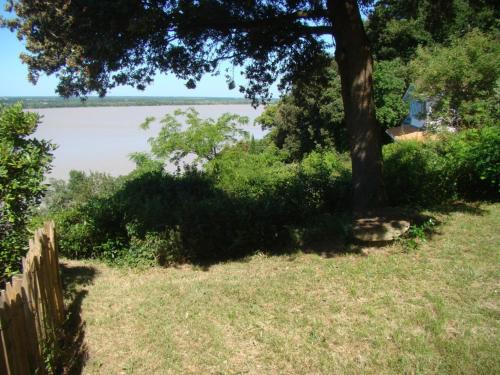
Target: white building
414,124
419,109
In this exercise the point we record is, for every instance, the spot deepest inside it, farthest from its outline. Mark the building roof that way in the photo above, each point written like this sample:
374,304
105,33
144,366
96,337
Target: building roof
406,132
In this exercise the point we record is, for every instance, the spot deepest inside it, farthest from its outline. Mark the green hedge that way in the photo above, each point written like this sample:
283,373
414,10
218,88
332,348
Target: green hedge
243,203
465,165
247,201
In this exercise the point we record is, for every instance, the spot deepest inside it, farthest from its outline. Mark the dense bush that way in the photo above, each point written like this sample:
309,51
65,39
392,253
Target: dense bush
23,162
473,162
462,79
246,200
249,199
415,174
462,165
80,187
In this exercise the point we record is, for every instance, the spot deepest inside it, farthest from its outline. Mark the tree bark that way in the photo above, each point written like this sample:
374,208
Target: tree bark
354,59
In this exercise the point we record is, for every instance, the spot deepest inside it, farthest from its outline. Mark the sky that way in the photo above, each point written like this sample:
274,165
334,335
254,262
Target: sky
14,81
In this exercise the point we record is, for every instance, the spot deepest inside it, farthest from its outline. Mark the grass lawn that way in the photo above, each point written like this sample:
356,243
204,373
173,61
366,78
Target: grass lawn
387,310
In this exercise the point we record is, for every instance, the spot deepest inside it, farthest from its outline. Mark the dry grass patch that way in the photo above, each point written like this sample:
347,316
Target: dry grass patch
433,310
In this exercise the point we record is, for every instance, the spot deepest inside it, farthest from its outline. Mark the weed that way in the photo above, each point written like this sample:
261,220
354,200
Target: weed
417,234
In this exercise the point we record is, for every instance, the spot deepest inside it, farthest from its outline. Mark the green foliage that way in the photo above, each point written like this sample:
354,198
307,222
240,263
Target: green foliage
473,162
269,40
23,162
80,187
312,115
390,83
463,165
415,173
417,234
51,354
250,198
241,173
203,137
463,78
397,27
317,182
245,201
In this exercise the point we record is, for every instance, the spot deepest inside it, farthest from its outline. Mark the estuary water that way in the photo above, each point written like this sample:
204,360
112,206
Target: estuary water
101,138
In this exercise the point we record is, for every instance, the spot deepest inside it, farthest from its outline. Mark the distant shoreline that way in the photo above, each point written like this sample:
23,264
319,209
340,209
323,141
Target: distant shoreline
37,102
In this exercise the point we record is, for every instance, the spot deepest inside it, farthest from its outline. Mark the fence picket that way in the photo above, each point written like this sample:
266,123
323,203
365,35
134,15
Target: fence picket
3,335
18,330
34,358
31,307
4,369
8,325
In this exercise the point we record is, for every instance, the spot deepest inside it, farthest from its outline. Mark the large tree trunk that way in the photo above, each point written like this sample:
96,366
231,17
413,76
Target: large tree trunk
354,59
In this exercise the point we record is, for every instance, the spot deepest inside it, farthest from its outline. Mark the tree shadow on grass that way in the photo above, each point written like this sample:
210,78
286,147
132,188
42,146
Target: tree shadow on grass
74,350
425,223
438,214
470,208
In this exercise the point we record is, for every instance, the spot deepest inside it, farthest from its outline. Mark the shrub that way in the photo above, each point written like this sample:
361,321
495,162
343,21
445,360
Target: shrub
462,165
245,201
326,180
78,189
415,174
248,199
473,162
23,162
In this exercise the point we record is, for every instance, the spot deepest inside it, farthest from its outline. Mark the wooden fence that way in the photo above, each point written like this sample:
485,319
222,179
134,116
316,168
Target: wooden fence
32,309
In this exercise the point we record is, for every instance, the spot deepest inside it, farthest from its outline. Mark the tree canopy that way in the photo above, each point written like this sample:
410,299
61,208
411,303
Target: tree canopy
204,138
312,115
463,79
95,46
397,27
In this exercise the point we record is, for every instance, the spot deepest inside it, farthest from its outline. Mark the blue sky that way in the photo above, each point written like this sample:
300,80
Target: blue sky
14,81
